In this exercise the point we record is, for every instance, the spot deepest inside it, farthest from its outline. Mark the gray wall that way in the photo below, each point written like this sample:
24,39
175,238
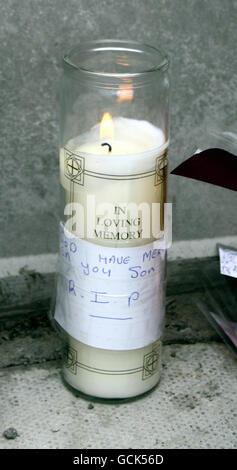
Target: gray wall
200,38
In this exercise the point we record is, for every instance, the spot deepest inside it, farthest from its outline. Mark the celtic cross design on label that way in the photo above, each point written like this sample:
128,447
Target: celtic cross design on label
74,167
161,169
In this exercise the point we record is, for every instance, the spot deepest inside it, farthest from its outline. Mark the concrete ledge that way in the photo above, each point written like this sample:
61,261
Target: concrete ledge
26,337
32,339
30,292
194,406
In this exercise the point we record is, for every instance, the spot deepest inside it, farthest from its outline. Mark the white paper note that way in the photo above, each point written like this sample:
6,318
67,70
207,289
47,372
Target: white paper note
110,298
228,261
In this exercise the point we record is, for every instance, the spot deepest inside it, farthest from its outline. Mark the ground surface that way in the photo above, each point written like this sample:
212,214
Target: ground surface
194,406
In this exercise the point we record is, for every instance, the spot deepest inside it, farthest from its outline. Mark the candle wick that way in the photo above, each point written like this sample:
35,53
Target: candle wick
105,143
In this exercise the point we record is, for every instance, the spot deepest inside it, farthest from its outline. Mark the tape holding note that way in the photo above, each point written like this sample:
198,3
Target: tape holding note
110,298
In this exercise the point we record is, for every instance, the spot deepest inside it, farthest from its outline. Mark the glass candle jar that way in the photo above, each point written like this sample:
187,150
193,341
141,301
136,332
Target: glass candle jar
110,300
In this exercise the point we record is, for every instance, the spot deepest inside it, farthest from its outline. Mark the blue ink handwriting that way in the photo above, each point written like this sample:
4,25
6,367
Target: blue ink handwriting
111,318
114,259
151,254
136,271
134,296
87,270
96,297
71,287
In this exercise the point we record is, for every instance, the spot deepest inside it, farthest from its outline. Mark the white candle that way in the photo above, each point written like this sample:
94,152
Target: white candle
107,364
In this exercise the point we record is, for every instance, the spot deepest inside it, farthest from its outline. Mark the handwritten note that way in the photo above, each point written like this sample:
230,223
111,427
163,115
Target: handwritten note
110,298
228,261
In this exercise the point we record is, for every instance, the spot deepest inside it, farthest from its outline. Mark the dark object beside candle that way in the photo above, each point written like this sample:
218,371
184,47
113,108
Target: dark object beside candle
214,165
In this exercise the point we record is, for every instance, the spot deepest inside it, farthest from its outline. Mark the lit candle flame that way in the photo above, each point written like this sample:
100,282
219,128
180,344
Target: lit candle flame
106,127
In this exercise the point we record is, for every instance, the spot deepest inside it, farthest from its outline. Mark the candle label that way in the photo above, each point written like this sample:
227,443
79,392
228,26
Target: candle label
87,193
74,167
147,365
75,170
110,298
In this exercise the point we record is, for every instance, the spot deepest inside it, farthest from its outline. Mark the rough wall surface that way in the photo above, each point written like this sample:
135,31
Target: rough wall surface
200,39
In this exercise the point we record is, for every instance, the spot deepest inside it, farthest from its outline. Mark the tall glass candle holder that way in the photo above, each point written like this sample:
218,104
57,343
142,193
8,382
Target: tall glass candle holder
110,299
